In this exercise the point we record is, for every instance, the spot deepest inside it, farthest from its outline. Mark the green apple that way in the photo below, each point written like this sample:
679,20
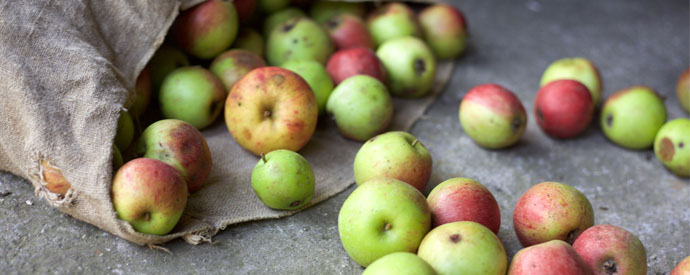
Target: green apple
683,90
298,39
117,158
444,29
463,247
323,10
271,6
632,117
410,65
397,155
393,20
164,61
279,17
206,29
180,145
380,217
232,65
361,107
250,40
399,263
125,130
578,69
284,180
149,194
672,146
192,94
316,76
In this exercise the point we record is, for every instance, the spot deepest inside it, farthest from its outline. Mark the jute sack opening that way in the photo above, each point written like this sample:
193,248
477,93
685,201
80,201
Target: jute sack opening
66,71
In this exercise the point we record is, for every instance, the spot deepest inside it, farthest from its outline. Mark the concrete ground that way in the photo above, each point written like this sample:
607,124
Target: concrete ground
631,42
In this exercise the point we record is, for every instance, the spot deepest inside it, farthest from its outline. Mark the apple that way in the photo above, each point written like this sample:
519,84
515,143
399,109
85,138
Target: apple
683,267
206,29
271,108
399,263
250,40
445,29
245,9
398,155
547,258
410,65
551,211
492,116
316,76
180,145
283,179
54,180
348,31
323,10
672,146
392,20
232,65
192,94
463,247
280,17
150,195
298,39
142,93
563,108
271,6
683,90
355,61
463,199
361,107
125,130
380,217
632,117
608,249
575,68
166,59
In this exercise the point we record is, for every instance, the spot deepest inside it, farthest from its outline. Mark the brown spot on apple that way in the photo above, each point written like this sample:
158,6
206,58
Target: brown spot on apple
419,66
294,203
277,79
666,150
455,238
609,267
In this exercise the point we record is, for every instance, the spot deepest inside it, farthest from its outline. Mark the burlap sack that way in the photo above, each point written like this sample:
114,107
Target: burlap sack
66,69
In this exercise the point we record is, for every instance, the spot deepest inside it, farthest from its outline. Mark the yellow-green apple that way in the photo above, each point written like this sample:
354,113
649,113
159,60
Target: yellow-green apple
180,145
348,31
118,161
316,76
445,29
284,180
551,211
271,6
166,59
150,195
463,199
399,263
245,9
683,90
54,180
392,20
271,108
672,146
608,249
575,68
323,10
410,65
206,29
280,17
250,40
142,93
563,108
298,39
232,65
492,116
382,216
683,267
398,155
552,257
192,94
463,247
125,130
361,107
632,117
355,61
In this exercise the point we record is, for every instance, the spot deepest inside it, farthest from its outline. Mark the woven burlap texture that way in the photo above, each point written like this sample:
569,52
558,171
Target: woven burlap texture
66,71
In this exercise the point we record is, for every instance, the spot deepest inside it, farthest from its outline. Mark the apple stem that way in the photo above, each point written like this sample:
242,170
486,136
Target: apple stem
415,142
387,226
263,157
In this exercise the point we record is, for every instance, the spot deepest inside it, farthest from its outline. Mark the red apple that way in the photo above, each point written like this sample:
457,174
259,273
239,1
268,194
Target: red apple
683,268
348,31
608,249
245,9
463,199
553,257
355,61
563,108
207,29
271,108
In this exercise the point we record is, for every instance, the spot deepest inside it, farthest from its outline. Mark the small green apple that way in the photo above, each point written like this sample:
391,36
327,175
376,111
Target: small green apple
166,59
283,179
316,76
125,130
298,39
232,65
578,69
380,217
206,29
192,94
672,146
632,117
410,64
323,10
463,247
117,158
271,6
279,17
250,40
683,90
445,30
393,20
399,263
361,107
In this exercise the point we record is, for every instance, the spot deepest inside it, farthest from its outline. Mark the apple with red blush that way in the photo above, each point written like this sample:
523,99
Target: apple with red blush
563,108
463,199
355,61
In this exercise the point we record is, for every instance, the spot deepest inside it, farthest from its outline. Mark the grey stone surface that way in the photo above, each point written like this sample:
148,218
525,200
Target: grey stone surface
631,42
